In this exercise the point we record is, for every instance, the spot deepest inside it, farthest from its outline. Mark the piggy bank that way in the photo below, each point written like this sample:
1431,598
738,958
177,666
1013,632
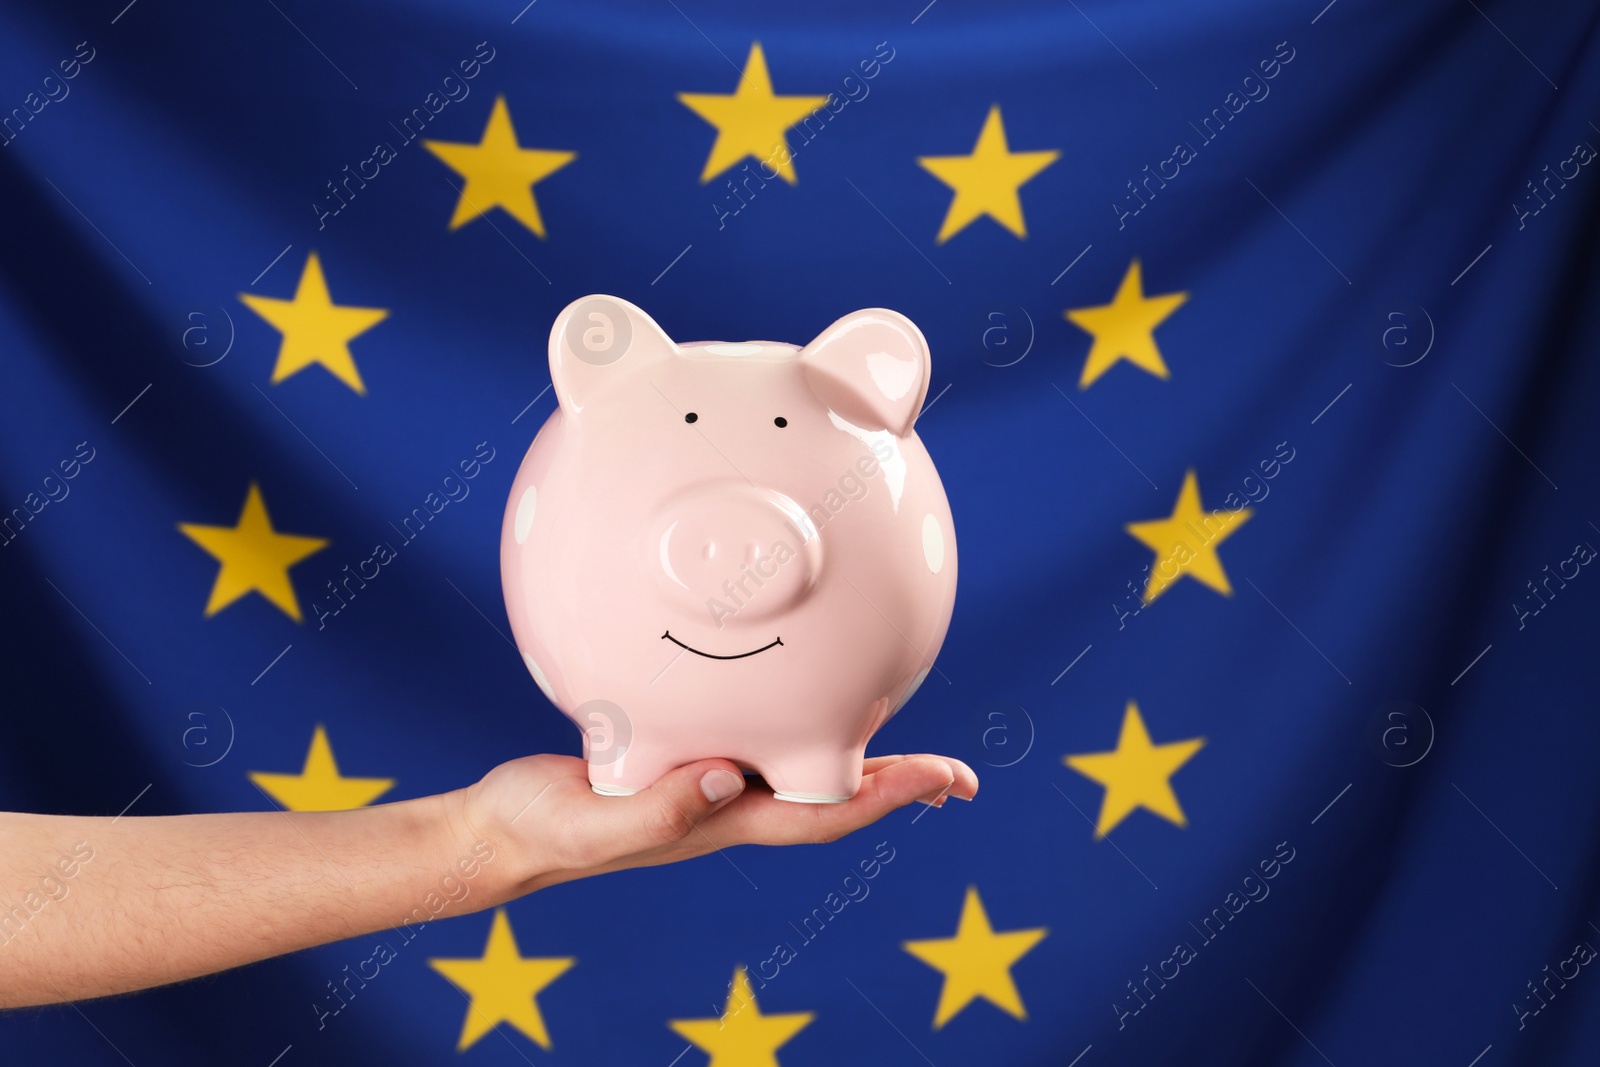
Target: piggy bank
729,550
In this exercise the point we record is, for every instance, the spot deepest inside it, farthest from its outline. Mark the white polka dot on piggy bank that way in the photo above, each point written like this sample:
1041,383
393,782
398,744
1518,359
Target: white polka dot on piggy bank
742,546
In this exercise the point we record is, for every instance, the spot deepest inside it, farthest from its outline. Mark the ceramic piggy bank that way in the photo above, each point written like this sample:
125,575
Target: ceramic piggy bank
729,550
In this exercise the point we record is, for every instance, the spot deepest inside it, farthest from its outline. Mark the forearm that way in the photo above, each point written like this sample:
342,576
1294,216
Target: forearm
93,906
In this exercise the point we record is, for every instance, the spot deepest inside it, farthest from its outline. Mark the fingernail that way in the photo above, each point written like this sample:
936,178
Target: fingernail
720,784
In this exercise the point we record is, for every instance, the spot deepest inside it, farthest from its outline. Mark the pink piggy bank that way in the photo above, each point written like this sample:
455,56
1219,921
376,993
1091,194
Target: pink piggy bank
729,550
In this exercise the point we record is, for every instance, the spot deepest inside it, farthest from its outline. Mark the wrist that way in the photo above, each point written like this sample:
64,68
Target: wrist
484,820
473,863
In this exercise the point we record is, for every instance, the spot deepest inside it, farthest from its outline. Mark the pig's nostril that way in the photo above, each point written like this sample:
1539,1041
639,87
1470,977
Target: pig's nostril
752,552
710,550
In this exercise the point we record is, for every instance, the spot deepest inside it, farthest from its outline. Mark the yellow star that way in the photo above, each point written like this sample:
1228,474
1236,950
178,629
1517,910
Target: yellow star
1186,542
751,121
254,557
503,984
320,786
314,328
986,182
499,172
1136,775
976,962
1125,328
742,1037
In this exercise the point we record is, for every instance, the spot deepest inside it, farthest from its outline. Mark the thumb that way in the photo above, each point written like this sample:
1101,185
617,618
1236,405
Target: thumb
671,808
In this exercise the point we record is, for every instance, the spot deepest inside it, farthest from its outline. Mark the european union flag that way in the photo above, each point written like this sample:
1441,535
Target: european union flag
1263,389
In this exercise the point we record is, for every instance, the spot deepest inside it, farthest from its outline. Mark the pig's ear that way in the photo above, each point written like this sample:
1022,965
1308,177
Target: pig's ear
595,340
872,368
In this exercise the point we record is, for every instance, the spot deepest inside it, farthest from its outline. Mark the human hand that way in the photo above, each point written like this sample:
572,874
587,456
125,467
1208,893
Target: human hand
159,906
539,813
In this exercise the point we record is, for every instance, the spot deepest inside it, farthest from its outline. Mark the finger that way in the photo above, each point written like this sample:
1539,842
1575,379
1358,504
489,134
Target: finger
965,780
762,819
669,810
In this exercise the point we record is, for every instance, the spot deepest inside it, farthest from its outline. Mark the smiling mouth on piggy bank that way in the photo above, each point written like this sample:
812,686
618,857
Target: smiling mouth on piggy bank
710,655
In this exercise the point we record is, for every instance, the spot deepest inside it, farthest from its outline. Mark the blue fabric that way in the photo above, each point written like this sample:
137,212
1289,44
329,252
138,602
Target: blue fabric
1373,285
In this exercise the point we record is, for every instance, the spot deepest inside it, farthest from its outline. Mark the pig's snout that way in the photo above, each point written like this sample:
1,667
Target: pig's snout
734,553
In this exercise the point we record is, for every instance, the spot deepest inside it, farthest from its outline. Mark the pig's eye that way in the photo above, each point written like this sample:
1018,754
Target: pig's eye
690,417
780,422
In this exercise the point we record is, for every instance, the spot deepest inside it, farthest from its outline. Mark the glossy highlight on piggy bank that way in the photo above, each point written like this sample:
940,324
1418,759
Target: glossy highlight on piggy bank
729,550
